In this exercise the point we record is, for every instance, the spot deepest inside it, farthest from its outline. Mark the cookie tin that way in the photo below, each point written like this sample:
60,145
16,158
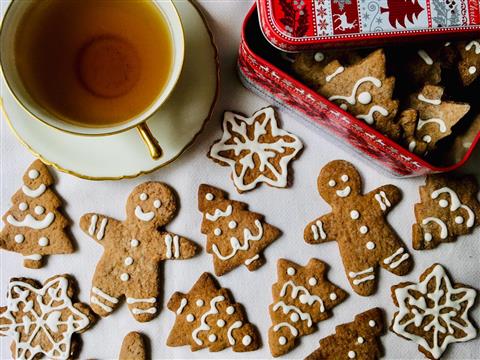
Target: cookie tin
259,71
294,25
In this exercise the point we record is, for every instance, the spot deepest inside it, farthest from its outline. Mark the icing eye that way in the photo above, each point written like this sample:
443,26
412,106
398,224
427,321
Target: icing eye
291,271
33,174
157,203
372,323
345,178
209,196
443,203
365,98
459,220
246,340
143,196
332,183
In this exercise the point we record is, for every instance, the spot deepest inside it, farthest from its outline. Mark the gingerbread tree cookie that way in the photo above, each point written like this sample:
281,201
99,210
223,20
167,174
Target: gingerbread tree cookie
34,225
436,116
469,65
133,250
448,208
433,312
235,236
43,319
133,347
359,339
364,91
358,224
302,297
256,149
208,317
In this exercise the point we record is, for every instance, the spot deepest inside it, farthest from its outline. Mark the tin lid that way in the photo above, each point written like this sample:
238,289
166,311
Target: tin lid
294,25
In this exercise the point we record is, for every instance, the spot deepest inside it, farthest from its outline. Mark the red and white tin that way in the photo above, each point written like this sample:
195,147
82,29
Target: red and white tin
259,73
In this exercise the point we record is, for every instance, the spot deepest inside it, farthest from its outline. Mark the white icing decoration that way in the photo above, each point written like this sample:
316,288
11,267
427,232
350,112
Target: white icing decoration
344,106
31,222
352,354
332,183
312,281
144,216
427,139
394,264
337,71
287,308
104,307
235,325
442,127
157,203
368,118
448,43
427,237
235,244
246,340
438,314
22,206
436,102
354,214
472,70
319,57
143,196
199,302
370,245
39,210
333,296
219,213
19,238
382,200
293,330
368,272
101,229
124,277
294,317
236,130
365,98
345,178
43,241
443,203
104,295
291,271
412,145
42,315
183,303
351,99
360,340
93,225
232,224
220,323
459,220
305,297
372,323
363,229
134,243
345,192
230,310
474,44
150,300
425,57
252,259
212,337
128,261
317,230
176,246
33,174
34,193
217,231
151,310
209,196
455,203
282,340
34,257
190,318
443,226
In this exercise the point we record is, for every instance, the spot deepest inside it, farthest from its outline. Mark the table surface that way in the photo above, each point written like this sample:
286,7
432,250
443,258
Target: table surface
288,209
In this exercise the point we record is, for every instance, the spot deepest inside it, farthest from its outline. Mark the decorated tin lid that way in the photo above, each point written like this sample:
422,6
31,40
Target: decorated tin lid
294,25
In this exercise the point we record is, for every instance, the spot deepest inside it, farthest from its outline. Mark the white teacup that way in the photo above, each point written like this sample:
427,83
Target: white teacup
10,24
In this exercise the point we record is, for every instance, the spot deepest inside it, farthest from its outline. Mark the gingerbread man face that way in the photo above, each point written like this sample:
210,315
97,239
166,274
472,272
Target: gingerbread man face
37,177
151,204
339,180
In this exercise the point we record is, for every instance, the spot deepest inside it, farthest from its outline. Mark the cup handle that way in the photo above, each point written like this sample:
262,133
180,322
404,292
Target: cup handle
149,140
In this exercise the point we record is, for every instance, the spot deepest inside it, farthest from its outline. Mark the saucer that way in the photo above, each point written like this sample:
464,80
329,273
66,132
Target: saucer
175,125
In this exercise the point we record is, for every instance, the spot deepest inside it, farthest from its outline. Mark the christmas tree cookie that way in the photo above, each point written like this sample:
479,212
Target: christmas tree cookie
448,208
133,250
359,339
302,297
133,347
235,236
364,91
208,317
34,225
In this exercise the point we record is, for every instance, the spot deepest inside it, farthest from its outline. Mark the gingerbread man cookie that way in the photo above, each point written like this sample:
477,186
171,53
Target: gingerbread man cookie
133,250
357,222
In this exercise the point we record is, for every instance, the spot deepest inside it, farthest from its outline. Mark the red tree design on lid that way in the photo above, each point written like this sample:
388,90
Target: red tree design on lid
399,10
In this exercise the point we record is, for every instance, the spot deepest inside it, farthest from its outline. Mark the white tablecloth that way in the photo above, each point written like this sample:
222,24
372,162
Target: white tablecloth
289,209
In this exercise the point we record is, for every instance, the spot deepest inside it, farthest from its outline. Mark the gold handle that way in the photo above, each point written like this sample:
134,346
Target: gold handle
149,140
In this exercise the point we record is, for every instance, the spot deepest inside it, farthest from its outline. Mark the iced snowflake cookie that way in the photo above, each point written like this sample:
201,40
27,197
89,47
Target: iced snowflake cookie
433,312
235,236
302,297
469,65
358,224
359,339
208,317
364,91
133,249
34,225
448,208
256,149
43,320
133,347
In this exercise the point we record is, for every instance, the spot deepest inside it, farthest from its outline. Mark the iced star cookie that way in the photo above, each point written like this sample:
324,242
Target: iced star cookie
256,148
302,297
133,347
133,249
448,208
44,320
358,224
208,317
433,313
35,226
358,340
235,236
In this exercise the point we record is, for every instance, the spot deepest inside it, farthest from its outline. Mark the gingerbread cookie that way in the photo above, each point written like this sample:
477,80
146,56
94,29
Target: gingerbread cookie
133,347
448,208
364,91
43,320
34,225
464,141
235,236
408,121
133,250
433,312
359,339
469,65
256,149
358,224
302,297
208,317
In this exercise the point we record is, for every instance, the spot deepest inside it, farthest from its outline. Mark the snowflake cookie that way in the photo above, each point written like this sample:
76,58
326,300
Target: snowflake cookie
433,312
42,320
133,347
358,224
208,317
302,297
256,149
133,250
359,339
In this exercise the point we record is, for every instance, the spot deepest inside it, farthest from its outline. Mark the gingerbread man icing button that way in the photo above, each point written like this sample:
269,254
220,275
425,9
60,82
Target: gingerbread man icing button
133,250
358,224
